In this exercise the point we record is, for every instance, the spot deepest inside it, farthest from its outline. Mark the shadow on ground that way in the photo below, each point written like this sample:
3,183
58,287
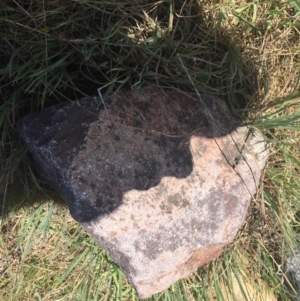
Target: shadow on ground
192,56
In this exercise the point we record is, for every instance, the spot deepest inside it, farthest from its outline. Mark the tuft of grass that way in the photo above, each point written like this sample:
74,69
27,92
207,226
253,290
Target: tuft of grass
246,53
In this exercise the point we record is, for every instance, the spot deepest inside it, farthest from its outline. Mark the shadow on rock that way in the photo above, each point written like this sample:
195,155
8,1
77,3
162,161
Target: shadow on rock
92,154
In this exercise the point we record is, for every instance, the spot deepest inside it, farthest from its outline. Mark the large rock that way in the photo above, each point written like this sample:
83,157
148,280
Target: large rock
160,178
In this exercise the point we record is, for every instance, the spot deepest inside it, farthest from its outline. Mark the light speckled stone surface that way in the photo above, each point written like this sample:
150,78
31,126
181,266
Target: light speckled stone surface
161,179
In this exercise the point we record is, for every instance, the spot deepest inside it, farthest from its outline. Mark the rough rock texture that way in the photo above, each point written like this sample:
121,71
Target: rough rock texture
160,178
292,271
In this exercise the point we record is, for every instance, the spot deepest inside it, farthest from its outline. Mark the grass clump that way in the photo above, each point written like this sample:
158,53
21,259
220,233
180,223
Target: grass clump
246,53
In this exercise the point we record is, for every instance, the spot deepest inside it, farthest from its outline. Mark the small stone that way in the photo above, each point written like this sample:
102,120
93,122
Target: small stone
160,178
292,271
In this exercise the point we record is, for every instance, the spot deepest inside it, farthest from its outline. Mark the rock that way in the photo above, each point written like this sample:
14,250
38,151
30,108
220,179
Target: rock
160,178
292,272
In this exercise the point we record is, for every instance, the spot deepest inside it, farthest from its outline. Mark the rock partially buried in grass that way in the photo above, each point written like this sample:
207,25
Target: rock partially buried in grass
160,178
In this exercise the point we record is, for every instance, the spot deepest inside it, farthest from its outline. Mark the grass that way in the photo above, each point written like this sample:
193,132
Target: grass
246,53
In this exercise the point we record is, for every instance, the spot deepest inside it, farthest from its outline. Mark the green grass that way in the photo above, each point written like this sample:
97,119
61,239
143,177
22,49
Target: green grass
246,53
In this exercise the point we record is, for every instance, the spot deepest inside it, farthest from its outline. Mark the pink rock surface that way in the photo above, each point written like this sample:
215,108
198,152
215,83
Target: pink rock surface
160,178
166,232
